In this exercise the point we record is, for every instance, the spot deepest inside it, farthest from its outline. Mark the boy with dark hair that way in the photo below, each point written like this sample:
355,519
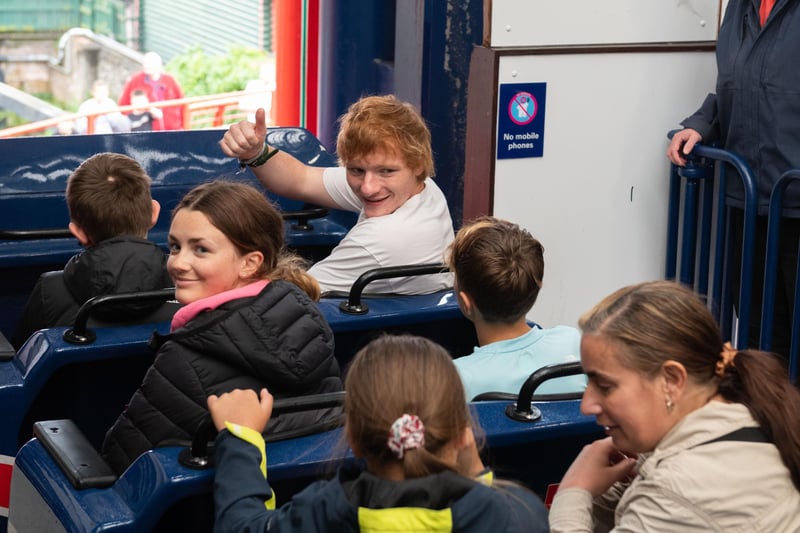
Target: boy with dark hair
498,269
111,211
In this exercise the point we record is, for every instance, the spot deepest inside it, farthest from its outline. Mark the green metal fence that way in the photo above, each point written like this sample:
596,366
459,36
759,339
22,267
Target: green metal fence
105,17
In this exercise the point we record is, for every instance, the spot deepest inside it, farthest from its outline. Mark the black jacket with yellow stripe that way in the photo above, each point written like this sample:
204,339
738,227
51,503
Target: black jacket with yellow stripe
357,500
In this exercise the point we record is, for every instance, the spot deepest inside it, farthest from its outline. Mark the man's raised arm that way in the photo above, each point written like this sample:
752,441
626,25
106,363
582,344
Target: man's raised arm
279,172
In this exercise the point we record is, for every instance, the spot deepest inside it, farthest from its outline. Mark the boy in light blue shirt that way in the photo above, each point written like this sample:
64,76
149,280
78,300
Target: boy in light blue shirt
498,269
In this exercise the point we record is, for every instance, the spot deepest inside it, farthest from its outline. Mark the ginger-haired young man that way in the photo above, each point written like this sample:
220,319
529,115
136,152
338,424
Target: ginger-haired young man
386,164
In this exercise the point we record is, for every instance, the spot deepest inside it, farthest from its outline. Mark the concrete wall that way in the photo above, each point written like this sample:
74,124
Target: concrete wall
65,65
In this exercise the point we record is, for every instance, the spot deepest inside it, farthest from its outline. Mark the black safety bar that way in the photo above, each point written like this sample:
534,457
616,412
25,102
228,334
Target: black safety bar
30,234
200,457
523,410
355,306
80,333
304,215
74,454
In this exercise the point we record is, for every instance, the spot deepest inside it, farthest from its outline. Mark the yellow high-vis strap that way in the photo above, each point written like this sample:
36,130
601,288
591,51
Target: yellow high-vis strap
253,437
486,477
407,519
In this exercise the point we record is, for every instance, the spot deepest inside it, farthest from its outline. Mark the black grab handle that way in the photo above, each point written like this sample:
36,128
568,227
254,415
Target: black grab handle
198,456
79,333
354,306
304,215
30,234
522,410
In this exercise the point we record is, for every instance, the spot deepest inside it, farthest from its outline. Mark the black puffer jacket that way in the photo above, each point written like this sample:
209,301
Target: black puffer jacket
277,339
114,266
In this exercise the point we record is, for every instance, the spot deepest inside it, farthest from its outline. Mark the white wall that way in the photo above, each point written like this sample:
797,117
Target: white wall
560,22
597,199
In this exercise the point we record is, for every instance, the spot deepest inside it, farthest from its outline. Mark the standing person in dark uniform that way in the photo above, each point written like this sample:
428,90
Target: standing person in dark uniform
755,113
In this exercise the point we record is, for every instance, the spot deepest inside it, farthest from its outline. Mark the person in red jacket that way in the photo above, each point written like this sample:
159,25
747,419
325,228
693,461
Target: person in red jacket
159,86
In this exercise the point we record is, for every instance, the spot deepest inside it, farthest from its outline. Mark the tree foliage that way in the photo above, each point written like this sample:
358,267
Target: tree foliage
202,74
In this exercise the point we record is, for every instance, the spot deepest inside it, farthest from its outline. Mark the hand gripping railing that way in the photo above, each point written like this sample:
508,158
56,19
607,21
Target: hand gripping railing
771,271
697,171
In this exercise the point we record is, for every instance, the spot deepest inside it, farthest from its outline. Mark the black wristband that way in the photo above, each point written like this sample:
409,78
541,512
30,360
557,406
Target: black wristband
261,158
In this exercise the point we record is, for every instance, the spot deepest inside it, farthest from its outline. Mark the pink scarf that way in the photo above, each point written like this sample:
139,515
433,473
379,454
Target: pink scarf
189,311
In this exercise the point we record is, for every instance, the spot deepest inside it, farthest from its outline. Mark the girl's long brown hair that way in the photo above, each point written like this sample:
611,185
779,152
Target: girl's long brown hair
403,374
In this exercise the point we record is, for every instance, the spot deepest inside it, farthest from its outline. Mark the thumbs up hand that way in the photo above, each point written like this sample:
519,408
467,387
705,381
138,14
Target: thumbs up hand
245,140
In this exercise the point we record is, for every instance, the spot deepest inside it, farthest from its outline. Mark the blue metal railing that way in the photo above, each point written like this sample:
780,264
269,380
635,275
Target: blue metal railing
771,272
698,178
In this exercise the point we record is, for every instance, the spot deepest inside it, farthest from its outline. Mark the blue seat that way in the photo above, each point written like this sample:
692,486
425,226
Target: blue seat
50,378
158,492
34,215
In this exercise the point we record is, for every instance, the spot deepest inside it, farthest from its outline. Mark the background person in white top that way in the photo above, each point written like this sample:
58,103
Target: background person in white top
111,122
384,149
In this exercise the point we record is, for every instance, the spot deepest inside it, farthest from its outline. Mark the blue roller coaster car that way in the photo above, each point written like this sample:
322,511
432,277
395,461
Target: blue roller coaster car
34,216
61,484
89,371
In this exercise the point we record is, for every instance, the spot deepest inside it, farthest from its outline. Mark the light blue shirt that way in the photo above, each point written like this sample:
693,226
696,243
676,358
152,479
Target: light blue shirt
504,366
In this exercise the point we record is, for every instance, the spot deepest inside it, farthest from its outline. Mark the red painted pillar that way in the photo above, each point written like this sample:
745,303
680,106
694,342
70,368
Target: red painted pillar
312,65
287,47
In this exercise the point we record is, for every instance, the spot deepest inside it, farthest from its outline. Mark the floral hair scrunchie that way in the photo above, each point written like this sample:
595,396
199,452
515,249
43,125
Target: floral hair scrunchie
406,433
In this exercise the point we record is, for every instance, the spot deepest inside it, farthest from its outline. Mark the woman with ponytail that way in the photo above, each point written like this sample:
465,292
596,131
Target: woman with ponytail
406,417
701,437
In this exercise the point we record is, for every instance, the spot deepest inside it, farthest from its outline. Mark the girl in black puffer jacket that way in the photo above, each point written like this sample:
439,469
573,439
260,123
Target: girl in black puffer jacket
249,321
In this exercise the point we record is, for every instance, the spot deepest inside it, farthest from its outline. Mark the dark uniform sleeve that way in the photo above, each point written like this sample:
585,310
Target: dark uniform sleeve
704,120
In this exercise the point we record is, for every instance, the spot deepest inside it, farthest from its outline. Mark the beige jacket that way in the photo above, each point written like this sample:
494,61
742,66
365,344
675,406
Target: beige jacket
685,485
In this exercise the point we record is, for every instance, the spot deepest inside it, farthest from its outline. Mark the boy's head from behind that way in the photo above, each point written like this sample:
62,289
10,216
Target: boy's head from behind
108,195
386,124
499,266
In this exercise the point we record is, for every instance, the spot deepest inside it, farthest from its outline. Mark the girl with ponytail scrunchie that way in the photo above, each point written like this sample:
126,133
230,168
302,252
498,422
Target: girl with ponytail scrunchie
407,418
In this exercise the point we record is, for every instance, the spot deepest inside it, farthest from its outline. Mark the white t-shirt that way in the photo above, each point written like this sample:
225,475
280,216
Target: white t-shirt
113,121
417,232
